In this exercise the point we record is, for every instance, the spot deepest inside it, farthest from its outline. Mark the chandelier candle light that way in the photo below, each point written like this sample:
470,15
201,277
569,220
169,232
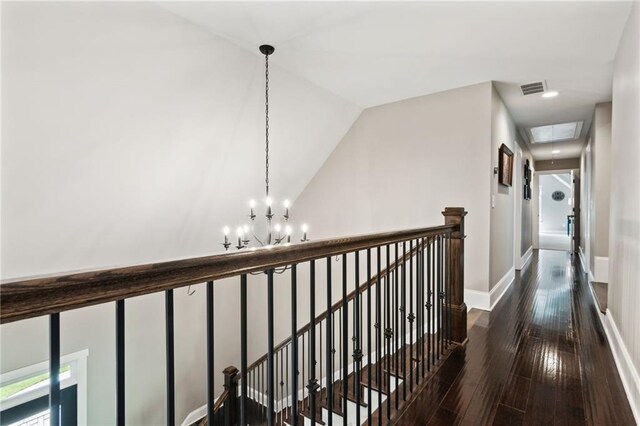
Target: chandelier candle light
275,232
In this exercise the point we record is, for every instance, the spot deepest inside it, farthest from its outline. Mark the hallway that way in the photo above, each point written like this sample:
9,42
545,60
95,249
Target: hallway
540,357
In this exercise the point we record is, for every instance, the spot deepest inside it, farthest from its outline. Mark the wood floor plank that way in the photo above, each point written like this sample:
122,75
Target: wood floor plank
539,357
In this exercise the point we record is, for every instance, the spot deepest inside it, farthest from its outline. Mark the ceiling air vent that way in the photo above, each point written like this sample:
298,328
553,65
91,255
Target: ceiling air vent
532,88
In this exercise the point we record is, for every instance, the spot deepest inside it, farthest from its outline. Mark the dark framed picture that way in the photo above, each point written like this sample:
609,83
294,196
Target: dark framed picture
527,181
505,166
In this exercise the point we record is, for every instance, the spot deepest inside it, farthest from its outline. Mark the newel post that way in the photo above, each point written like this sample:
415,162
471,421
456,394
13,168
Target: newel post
231,404
457,307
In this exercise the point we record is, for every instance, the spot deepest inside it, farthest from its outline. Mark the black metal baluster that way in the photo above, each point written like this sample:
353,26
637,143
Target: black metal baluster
54,369
379,379
423,297
339,325
388,332
171,400
436,298
329,345
320,351
449,267
304,364
411,317
276,384
357,344
441,292
313,383
428,303
294,346
282,382
243,350
395,323
354,331
419,309
270,354
210,352
437,265
345,340
418,313
403,316
120,377
433,295
333,354
369,364
436,291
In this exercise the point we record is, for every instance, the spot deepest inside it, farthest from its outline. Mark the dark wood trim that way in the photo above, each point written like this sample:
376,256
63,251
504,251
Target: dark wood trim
458,309
29,298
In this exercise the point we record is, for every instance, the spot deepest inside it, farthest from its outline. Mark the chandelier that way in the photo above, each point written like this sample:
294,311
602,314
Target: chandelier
274,232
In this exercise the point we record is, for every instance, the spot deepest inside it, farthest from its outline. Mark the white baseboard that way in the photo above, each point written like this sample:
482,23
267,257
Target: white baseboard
526,258
499,289
626,368
487,300
601,269
477,299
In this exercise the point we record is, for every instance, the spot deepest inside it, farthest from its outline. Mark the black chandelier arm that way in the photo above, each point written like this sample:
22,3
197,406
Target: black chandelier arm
258,240
276,270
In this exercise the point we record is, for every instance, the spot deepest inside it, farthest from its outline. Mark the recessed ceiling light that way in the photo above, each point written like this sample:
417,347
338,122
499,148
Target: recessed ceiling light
550,94
555,151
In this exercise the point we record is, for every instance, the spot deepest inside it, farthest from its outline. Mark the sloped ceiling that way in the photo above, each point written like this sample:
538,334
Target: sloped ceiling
372,53
131,135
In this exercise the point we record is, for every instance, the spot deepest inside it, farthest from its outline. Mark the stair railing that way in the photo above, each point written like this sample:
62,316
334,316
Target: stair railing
428,263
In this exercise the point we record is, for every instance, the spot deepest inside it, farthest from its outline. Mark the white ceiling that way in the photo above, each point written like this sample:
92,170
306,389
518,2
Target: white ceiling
371,53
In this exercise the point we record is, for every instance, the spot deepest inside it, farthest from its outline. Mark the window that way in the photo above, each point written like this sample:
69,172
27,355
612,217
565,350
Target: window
555,132
24,393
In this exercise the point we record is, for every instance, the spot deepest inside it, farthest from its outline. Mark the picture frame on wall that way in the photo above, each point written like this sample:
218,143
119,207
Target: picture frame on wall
505,166
527,181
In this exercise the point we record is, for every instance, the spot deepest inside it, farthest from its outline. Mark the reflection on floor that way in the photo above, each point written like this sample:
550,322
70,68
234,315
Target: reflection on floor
555,241
540,357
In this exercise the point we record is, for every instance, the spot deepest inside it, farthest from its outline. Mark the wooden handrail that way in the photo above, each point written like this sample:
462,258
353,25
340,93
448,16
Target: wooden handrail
338,305
29,298
221,400
216,407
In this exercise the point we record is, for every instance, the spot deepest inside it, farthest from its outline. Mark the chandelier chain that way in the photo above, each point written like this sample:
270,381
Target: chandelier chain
266,105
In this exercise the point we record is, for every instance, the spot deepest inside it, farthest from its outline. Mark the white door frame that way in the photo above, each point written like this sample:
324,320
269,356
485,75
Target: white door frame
536,199
517,210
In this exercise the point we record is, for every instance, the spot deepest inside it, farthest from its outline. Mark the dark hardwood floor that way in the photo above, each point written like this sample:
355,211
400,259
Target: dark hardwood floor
539,358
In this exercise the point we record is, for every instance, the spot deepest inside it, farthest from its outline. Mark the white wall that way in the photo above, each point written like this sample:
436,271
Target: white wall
501,247
600,180
553,214
595,164
125,130
585,206
400,164
624,234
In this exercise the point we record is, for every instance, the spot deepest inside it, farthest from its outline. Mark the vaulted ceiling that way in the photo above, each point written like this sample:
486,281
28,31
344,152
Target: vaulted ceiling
372,53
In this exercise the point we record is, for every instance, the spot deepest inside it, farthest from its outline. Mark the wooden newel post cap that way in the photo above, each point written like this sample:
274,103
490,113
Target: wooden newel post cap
454,211
229,375
455,216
